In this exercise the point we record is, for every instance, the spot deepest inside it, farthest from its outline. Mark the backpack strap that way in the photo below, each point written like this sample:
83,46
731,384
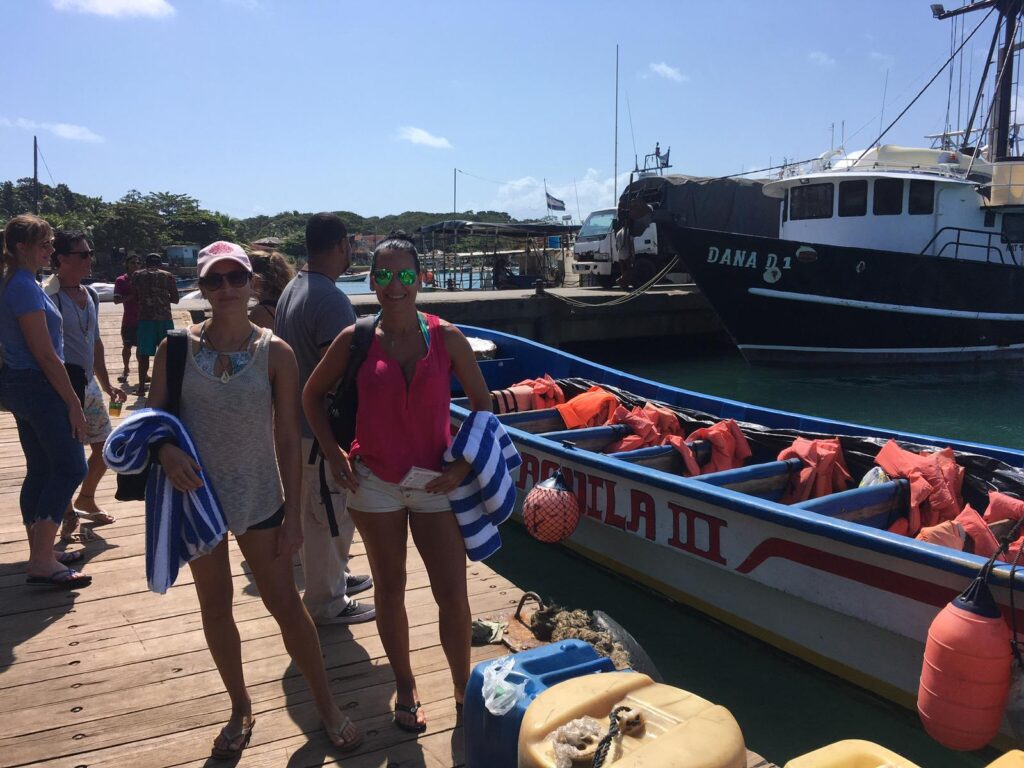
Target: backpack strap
95,298
361,340
177,350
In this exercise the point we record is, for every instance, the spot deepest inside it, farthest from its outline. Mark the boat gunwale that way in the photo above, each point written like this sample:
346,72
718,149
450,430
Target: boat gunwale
851,533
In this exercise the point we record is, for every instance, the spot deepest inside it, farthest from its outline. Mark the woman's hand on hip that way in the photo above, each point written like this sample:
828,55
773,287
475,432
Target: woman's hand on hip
342,470
450,478
180,468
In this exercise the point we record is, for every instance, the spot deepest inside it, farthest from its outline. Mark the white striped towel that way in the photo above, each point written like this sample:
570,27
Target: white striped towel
180,526
486,497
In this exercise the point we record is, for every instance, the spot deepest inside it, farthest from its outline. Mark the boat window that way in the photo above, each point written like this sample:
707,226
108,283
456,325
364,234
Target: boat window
1013,228
785,206
853,197
811,201
888,197
922,198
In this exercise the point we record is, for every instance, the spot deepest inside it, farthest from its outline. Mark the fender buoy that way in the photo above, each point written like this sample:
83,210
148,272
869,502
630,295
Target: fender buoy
965,676
551,511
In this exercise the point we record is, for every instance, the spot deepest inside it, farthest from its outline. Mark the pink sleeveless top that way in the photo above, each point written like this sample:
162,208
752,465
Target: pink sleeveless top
399,427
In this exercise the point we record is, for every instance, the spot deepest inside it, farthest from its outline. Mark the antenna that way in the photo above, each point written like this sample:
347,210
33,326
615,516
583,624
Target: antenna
615,172
881,117
35,175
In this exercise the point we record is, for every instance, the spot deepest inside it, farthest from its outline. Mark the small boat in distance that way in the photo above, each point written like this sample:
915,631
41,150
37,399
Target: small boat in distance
890,254
823,579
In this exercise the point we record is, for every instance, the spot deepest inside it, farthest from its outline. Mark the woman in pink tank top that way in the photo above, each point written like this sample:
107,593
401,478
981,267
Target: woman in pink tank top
403,427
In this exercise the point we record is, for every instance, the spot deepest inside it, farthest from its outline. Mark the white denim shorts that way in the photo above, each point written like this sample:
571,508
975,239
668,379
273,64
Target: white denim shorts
376,495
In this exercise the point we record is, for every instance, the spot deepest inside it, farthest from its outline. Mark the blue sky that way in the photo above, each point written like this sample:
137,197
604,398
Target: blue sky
259,106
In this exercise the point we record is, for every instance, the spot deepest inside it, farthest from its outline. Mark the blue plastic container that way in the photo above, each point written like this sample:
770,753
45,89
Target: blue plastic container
493,742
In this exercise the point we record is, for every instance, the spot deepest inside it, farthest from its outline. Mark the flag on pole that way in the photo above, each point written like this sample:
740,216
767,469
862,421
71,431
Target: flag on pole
554,204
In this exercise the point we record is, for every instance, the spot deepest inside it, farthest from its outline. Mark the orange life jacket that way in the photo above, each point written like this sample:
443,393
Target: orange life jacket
545,392
824,469
948,534
592,408
1003,507
935,481
729,447
984,541
650,424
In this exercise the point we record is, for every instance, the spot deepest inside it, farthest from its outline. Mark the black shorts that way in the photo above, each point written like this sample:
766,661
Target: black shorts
130,335
274,521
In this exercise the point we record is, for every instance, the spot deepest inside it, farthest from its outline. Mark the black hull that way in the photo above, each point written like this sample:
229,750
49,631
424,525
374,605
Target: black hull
790,302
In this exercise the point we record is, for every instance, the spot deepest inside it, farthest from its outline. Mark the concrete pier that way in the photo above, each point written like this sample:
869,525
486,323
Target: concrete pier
667,311
678,310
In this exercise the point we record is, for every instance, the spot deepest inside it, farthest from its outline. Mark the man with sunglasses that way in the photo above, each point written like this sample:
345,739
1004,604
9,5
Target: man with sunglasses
310,314
155,290
84,358
124,294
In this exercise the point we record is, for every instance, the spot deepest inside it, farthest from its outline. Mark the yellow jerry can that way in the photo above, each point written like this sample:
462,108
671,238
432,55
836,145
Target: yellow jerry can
674,728
852,753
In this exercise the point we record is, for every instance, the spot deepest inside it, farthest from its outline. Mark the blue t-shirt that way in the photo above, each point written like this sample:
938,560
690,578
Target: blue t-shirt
21,296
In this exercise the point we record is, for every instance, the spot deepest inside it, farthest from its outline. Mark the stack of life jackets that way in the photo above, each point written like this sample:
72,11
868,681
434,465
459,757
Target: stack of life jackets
824,469
935,483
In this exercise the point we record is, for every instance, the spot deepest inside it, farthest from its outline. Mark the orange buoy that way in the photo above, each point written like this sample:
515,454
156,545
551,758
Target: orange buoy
965,676
551,511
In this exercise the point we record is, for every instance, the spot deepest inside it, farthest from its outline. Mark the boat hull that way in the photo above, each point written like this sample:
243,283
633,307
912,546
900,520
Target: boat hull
789,302
854,600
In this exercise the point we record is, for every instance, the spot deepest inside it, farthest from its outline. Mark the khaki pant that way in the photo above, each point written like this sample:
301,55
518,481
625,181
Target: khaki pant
324,559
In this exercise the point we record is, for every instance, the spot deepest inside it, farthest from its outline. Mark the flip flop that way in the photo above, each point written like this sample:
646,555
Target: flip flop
339,741
418,727
66,579
227,753
96,519
67,558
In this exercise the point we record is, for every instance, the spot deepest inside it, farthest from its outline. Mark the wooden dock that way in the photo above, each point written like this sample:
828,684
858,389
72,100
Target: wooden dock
115,675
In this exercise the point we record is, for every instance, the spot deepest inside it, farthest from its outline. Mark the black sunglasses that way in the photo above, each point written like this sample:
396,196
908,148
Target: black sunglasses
236,279
81,254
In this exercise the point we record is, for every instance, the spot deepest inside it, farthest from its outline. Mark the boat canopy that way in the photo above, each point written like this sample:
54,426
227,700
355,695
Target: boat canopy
729,205
521,229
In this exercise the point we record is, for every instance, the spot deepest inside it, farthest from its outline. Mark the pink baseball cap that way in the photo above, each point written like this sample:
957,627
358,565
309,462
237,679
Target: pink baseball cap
219,251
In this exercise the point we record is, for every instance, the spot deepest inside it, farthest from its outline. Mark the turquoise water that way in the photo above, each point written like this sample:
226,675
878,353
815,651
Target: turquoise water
784,706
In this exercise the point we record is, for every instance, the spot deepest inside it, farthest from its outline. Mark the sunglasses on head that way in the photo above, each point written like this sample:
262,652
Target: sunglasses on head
236,279
383,276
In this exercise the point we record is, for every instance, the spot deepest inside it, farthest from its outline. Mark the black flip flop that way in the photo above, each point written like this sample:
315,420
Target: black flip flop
419,727
72,580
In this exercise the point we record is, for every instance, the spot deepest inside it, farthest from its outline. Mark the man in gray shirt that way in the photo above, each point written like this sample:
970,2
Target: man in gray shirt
310,313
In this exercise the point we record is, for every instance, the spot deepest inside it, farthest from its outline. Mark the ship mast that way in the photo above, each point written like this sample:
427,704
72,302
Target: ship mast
1009,15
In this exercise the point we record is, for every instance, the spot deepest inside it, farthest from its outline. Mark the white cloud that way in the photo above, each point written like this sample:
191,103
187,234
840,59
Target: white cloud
154,9
524,198
885,60
420,136
60,130
669,73
821,58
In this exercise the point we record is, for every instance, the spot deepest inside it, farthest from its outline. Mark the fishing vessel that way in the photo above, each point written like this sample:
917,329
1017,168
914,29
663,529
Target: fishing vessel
890,254
824,579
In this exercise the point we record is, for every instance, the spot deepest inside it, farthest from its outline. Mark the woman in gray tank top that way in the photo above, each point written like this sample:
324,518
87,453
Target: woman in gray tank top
240,404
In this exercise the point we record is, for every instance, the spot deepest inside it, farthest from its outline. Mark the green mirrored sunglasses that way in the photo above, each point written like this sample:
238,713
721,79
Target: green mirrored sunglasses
383,276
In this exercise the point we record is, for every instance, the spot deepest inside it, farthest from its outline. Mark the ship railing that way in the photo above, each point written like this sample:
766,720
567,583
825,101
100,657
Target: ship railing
957,243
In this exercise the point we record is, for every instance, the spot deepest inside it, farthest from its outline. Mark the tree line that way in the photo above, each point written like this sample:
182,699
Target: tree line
148,222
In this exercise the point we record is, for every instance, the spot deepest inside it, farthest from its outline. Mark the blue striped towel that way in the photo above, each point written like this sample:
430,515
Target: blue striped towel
179,526
486,497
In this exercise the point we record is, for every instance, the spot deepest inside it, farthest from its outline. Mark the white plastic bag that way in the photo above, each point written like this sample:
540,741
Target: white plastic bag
500,694
874,476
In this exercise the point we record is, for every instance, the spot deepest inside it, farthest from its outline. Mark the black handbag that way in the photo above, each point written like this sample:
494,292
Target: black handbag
133,487
76,374
341,409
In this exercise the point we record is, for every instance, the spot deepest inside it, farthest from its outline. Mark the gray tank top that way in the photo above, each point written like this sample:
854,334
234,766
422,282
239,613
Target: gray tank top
232,424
